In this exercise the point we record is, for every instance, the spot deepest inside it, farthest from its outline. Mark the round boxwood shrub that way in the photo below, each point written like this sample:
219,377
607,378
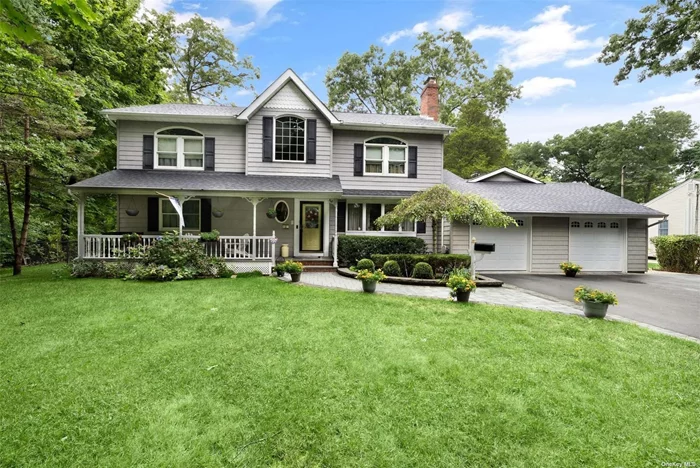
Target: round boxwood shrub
423,270
391,268
365,264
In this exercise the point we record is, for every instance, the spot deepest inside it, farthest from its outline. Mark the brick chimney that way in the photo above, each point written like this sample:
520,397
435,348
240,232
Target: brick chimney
429,104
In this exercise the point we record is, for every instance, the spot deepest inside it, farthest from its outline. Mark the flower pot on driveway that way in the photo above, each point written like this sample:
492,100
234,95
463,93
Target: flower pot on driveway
571,274
462,296
369,286
594,309
295,277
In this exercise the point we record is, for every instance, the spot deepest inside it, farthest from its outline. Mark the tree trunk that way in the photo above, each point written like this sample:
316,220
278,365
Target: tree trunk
19,247
10,207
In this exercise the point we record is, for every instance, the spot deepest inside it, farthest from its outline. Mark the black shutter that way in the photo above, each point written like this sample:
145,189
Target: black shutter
420,227
205,214
267,139
153,213
311,141
359,159
148,152
340,222
209,154
412,162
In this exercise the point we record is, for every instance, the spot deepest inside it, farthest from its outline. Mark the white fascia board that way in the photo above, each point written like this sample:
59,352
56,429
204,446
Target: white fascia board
394,128
179,118
276,85
505,170
205,193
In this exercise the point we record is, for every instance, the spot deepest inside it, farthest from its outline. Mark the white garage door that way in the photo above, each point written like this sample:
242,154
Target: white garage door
511,247
596,244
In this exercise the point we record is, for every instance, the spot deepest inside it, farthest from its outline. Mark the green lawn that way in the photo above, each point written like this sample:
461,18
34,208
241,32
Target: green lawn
256,372
654,265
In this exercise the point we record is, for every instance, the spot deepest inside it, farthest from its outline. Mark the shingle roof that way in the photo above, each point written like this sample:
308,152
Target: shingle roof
378,193
212,181
389,119
552,198
201,110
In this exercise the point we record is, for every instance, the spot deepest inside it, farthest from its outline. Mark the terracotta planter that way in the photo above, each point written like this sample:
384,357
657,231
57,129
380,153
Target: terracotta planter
570,273
462,296
295,277
369,286
595,309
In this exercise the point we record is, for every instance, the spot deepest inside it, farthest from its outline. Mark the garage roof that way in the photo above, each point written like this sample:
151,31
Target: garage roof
552,198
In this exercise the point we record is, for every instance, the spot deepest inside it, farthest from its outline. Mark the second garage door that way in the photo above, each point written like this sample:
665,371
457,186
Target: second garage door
511,247
596,244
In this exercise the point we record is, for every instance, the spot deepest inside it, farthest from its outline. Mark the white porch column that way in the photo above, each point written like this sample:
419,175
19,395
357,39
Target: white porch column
254,202
335,235
81,225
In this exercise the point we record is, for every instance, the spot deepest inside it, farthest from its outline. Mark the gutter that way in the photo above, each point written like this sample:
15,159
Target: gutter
658,222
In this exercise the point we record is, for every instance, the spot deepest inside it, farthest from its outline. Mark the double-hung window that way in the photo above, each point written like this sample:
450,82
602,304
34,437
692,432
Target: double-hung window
663,228
179,148
290,140
170,220
386,156
361,218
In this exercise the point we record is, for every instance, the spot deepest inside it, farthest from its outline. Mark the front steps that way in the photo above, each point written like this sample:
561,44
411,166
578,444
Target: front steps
316,265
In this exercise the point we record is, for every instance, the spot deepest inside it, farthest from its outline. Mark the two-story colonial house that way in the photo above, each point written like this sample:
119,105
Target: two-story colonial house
287,175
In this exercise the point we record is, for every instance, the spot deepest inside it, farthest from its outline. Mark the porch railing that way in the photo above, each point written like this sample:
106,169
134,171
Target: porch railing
105,246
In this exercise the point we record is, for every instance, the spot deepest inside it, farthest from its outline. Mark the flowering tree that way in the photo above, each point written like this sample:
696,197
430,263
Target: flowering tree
440,202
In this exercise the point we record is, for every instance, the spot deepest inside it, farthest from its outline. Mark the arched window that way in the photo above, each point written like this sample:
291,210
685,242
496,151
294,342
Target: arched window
575,224
386,156
601,224
290,141
179,148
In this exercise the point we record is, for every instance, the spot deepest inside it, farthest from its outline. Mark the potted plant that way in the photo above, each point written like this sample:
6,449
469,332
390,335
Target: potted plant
461,285
294,269
595,302
370,279
131,239
212,236
271,213
570,269
280,269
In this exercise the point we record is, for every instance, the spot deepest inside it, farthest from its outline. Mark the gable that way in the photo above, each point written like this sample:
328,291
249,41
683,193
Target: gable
289,97
502,178
505,175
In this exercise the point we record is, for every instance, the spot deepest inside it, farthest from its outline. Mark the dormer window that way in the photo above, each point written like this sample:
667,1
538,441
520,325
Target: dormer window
290,141
386,156
179,148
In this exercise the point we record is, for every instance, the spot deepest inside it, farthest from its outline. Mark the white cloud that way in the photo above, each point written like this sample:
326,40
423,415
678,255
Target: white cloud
262,7
541,123
235,31
542,86
448,21
192,6
582,62
243,92
550,39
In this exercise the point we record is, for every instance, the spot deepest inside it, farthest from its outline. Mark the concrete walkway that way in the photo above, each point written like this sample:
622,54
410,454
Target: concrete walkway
500,296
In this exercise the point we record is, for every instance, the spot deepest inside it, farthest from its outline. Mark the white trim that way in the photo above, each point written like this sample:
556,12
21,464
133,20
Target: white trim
385,156
179,148
505,170
296,250
394,128
174,118
381,232
161,228
288,211
278,84
274,141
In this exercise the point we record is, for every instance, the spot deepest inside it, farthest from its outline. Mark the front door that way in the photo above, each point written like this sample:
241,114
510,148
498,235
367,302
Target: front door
311,233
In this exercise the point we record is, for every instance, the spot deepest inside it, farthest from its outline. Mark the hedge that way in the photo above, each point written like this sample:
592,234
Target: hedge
423,271
441,263
678,253
353,248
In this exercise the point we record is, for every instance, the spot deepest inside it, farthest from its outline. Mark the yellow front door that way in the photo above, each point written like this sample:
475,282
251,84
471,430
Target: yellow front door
311,226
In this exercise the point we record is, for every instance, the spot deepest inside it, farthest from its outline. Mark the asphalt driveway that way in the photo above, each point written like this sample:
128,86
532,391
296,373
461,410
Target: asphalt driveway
666,300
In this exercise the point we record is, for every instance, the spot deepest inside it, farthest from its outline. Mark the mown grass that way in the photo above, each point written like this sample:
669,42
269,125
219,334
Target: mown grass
256,372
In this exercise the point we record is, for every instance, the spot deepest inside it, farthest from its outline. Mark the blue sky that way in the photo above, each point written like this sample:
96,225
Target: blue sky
550,46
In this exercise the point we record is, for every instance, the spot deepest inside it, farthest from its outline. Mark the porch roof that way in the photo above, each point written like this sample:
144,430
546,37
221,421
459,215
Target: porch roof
193,181
359,193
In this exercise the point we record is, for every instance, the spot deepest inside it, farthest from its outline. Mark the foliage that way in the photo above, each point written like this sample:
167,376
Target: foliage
665,40
532,159
291,267
209,236
371,275
373,83
479,143
441,202
586,294
204,62
365,264
101,269
131,238
680,253
391,268
423,270
570,266
353,248
440,263
460,282
24,20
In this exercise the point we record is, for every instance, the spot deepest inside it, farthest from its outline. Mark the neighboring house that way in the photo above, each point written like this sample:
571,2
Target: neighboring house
326,174
682,203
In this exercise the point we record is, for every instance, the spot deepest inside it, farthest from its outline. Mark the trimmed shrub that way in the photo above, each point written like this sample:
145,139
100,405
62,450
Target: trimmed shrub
249,274
353,248
442,264
678,253
423,271
365,264
391,268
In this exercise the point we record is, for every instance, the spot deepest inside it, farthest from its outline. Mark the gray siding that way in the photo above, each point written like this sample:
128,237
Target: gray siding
637,245
460,238
126,223
230,143
550,243
429,161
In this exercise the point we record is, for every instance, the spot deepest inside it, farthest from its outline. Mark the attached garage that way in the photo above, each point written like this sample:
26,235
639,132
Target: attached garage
511,246
597,244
